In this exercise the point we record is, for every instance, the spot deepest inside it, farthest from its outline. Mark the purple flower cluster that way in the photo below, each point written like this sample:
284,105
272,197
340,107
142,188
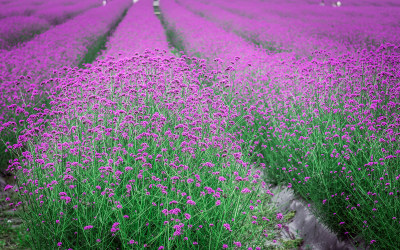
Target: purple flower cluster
26,71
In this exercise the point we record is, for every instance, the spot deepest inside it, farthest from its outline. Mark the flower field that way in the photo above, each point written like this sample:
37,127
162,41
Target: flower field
22,20
126,130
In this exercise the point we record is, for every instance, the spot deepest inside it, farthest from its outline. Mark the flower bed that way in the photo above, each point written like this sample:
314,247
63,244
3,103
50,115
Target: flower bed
324,124
54,11
139,30
58,12
16,29
298,24
274,35
19,8
24,68
145,158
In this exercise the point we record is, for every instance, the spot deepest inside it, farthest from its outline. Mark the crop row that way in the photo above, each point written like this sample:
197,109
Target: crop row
54,12
223,50
366,25
15,29
329,125
26,72
24,68
273,35
280,27
138,31
19,26
20,8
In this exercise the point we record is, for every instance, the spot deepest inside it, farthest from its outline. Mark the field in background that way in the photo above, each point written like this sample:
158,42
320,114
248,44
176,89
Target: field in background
125,131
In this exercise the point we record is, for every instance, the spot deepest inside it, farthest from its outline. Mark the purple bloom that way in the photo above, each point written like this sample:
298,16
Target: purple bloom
228,227
238,243
191,202
8,187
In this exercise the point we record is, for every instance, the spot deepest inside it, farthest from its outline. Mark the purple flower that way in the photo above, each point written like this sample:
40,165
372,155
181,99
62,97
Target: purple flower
221,178
228,227
238,243
237,155
191,202
8,187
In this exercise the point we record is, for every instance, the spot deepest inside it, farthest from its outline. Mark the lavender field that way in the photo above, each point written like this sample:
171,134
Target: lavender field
175,124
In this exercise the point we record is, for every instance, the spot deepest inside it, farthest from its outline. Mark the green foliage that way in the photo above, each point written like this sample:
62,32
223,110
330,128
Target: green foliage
289,216
292,244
